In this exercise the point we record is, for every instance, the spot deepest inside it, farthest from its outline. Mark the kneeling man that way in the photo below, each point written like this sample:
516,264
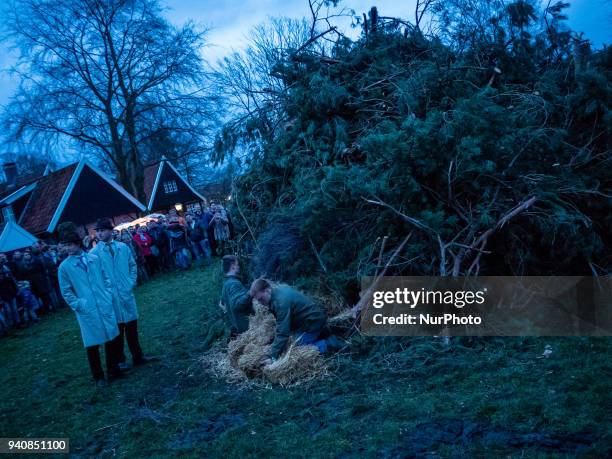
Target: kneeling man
295,313
87,289
235,298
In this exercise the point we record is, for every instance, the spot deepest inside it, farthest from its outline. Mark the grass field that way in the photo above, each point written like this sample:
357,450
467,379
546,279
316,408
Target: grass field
387,398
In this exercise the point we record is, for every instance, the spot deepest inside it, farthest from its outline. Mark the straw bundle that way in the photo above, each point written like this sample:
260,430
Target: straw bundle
262,326
246,354
298,364
252,358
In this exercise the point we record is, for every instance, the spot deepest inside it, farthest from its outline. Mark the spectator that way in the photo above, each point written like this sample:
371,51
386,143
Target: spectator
210,230
62,254
27,303
89,242
202,221
178,244
35,273
197,238
39,253
144,242
156,231
8,294
220,224
15,264
173,215
52,253
4,328
126,238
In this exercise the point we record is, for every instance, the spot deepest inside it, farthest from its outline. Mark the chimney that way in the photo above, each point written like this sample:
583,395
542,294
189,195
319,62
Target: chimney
10,173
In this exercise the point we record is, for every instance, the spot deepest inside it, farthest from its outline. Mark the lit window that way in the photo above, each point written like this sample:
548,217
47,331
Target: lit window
170,187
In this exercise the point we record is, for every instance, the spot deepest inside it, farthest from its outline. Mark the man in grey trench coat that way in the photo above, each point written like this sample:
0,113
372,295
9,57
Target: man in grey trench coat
118,262
87,289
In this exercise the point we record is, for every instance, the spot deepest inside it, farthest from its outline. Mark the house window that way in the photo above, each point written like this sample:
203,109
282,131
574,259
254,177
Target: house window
193,207
170,187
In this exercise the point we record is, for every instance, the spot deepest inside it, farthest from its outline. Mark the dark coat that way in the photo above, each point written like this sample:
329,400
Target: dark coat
238,304
160,239
295,313
8,285
36,273
177,237
195,232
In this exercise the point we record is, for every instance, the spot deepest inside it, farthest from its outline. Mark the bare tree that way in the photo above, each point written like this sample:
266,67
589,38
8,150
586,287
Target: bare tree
253,81
250,79
108,74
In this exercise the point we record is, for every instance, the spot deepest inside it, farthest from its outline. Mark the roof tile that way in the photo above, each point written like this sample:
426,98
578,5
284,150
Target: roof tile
45,198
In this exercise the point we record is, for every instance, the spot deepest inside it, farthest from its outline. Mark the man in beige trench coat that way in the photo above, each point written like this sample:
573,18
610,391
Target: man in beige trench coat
87,289
119,263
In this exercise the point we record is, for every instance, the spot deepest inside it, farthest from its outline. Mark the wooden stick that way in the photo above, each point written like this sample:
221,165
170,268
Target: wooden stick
314,249
364,297
380,254
243,217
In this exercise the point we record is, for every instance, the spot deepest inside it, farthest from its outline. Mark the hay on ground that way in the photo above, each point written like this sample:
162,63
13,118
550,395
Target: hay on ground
252,359
262,326
247,353
298,364
216,362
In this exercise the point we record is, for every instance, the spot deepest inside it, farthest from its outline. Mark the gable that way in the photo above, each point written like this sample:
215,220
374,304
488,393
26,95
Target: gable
150,174
17,200
94,197
171,189
44,200
19,204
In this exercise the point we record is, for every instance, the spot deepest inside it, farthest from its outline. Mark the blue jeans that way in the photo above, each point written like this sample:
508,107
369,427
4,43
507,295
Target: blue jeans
3,325
201,250
311,338
29,313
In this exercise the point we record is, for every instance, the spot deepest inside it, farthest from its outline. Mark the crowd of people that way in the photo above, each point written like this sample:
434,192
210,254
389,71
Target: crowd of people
29,285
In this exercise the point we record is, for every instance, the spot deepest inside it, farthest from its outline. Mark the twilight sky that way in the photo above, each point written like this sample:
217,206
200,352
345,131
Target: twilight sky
230,21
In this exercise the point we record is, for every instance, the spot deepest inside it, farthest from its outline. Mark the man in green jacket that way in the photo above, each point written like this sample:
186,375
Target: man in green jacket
295,313
235,298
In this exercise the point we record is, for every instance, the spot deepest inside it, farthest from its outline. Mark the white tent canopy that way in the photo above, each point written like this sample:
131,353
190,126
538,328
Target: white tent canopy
14,237
139,221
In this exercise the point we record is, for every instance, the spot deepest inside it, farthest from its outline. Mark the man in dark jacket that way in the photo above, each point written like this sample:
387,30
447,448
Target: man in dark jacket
210,230
295,313
8,293
202,221
235,298
160,238
39,253
196,235
36,273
